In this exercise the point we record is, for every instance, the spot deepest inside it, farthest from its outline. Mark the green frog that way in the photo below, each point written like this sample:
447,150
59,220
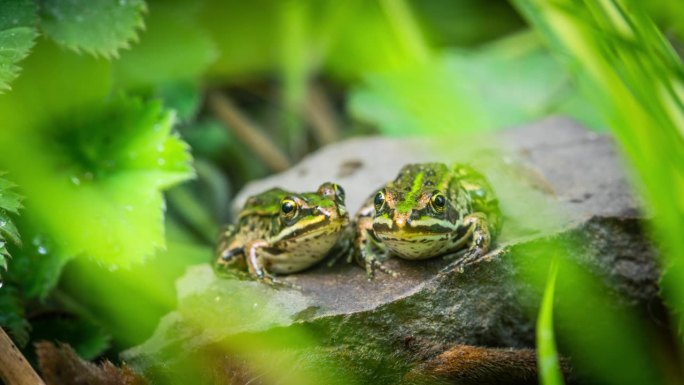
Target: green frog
282,232
429,210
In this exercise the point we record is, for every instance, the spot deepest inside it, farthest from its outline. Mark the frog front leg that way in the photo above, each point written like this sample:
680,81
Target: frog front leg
480,240
369,251
256,265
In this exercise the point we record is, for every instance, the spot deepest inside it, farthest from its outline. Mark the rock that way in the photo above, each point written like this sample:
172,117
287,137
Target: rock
563,192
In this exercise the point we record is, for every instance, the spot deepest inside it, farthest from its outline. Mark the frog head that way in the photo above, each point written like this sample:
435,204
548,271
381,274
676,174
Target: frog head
311,220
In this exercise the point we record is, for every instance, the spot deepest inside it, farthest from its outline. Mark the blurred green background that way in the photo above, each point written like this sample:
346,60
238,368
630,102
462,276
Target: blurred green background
126,127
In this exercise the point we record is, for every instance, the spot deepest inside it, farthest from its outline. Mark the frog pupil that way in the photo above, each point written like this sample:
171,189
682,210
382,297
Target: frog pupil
287,207
439,201
379,199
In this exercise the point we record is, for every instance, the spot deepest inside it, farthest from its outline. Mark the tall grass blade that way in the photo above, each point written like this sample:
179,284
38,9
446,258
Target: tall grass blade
547,361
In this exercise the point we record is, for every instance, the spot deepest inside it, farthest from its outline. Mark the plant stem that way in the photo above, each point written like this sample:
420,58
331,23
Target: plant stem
248,132
14,369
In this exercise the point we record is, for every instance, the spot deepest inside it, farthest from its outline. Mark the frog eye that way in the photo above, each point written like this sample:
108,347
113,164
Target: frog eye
379,200
288,207
339,191
438,201
329,189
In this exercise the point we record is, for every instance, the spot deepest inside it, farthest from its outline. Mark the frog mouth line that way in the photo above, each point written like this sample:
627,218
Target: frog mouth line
421,234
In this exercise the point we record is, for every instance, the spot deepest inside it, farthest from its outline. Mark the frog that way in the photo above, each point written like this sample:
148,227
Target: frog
281,232
428,210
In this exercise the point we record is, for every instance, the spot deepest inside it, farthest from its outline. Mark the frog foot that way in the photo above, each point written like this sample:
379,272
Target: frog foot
372,265
275,282
473,257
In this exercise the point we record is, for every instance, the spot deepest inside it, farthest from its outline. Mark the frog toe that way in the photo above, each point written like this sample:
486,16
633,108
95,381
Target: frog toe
275,282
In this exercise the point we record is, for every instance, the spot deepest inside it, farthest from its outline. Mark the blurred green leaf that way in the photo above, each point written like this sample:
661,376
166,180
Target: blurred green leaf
17,34
12,315
549,368
55,82
183,97
174,47
98,27
638,85
507,83
114,161
465,22
35,267
92,169
129,302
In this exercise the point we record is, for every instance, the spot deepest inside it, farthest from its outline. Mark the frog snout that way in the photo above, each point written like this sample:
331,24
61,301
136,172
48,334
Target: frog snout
400,221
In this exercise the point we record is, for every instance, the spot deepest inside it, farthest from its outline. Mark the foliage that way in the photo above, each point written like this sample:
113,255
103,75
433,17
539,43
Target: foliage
17,34
10,203
549,368
637,80
505,84
103,109
111,24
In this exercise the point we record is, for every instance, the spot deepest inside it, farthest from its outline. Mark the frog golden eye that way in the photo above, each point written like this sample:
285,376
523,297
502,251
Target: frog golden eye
379,200
438,201
288,207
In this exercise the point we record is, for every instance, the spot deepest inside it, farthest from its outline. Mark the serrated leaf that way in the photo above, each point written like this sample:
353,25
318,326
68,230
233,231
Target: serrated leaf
12,315
97,188
173,48
17,36
92,171
10,202
98,27
36,266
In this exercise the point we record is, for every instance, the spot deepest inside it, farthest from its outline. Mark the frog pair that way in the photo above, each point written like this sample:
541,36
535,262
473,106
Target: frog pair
428,210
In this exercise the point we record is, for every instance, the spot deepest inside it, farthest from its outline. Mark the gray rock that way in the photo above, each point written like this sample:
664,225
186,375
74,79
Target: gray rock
563,192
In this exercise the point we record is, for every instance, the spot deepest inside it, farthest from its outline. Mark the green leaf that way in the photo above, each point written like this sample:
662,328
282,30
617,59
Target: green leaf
12,315
17,35
549,367
183,97
10,203
54,82
508,83
35,267
174,47
97,188
99,27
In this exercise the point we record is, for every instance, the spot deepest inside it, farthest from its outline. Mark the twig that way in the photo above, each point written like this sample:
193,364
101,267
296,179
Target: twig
248,132
321,116
14,369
